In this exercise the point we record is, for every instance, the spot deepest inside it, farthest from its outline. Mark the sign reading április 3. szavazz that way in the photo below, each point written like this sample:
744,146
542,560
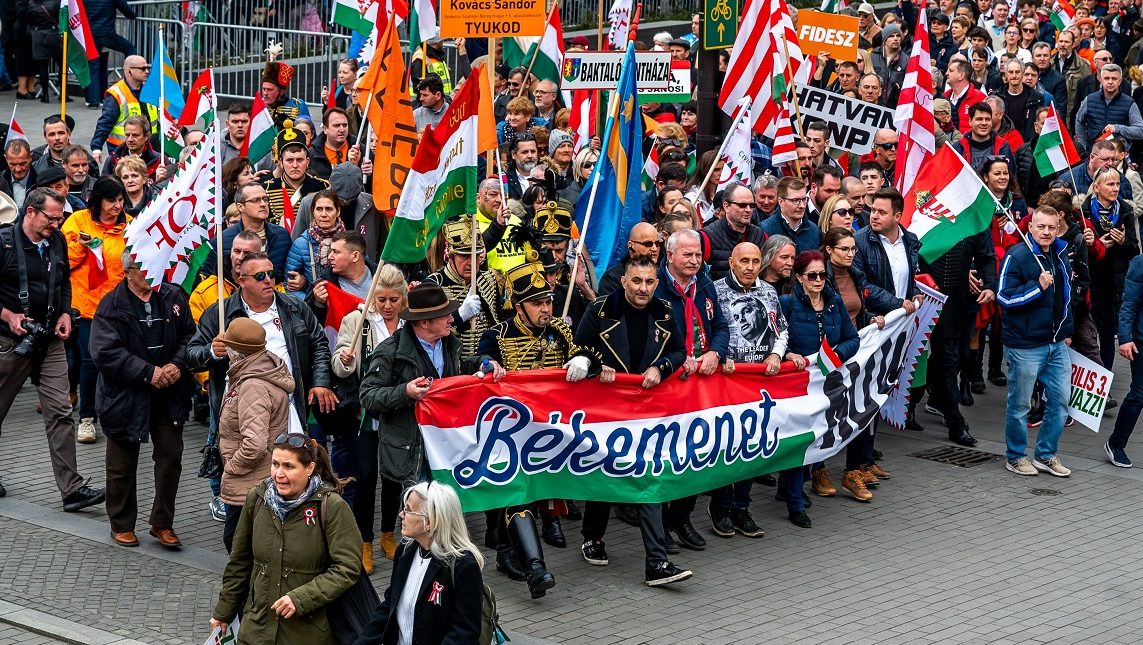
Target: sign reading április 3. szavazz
852,122
1091,386
495,18
600,70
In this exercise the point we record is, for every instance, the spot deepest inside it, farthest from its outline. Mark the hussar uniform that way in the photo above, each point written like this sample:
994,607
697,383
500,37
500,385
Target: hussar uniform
289,108
458,238
277,191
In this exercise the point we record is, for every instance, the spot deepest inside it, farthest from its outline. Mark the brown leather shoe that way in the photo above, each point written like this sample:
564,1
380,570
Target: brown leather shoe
852,481
126,538
868,477
878,471
166,537
367,557
822,484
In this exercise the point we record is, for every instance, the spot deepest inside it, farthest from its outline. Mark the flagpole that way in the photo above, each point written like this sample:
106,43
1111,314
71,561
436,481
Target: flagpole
489,169
361,129
368,303
797,108
162,102
219,215
13,120
722,147
63,81
612,111
536,51
599,42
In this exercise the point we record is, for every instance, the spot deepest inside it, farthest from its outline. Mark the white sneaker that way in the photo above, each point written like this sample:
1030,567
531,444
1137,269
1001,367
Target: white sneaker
1051,466
217,509
1021,467
86,431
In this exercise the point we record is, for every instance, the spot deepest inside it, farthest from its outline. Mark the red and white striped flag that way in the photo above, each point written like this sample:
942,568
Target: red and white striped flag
765,49
582,119
14,130
913,117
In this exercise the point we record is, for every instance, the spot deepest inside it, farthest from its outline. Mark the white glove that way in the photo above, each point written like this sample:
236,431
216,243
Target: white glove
470,307
577,368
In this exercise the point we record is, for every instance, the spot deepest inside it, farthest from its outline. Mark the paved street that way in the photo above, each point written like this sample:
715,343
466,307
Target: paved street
943,554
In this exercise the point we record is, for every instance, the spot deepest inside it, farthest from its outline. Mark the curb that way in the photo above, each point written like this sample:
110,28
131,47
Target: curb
59,628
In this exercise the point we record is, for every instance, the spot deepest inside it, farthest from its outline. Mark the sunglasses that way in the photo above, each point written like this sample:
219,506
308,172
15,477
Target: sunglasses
742,204
844,212
589,165
644,244
1028,30
814,276
261,276
671,142
886,146
292,439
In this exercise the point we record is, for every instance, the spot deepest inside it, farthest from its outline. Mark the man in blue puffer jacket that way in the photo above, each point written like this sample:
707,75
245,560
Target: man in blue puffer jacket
1035,295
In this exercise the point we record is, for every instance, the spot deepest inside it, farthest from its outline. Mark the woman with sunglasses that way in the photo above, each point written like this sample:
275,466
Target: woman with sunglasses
296,550
582,166
1012,46
436,590
815,314
837,213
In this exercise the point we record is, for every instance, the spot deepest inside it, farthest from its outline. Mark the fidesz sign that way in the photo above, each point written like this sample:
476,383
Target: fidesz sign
600,70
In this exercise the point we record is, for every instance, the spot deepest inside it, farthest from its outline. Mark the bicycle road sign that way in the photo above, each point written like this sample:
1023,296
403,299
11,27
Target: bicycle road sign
720,23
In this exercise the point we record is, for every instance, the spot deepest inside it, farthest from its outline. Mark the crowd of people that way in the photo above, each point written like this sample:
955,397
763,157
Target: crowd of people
310,430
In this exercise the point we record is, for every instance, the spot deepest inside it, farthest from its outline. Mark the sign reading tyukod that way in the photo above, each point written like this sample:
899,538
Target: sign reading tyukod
499,18
852,122
1091,385
600,70
534,436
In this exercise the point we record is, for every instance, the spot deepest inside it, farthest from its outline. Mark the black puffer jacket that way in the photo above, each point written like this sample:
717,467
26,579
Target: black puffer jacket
124,393
101,16
950,271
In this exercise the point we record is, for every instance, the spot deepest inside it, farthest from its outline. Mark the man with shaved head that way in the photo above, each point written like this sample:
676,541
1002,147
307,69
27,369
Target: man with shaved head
758,334
122,101
642,241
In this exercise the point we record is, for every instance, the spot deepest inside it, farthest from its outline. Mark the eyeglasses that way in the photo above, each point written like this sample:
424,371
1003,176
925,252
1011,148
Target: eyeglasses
255,200
406,511
742,204
261,276
292,439
793,200
53,220
845,249
814,276
886,146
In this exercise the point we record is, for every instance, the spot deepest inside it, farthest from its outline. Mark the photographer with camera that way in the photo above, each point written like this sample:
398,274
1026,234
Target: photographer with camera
35,319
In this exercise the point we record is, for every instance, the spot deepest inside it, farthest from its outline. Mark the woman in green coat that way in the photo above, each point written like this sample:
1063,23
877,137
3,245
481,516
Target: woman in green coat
282,571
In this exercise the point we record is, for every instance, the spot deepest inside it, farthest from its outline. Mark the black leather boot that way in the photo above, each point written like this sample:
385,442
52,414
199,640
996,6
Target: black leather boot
521,530
553,532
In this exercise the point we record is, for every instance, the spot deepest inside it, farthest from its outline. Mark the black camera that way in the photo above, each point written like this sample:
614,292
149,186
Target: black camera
27,345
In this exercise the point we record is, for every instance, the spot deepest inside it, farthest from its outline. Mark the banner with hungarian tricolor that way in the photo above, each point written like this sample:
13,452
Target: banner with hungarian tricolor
1054,151
442,181
946,204
534,436
1063,14
80,43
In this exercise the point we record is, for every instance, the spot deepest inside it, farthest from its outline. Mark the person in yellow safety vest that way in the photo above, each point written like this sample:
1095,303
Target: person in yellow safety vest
120,102
496,223
434,52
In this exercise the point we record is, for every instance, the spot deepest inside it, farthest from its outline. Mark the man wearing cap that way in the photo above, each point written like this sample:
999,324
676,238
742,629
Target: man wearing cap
139,338
292,333
889,62
256,409
535,339
869,31
276,77
122,101
680,49
476,312
633,333
356,208
941,45
293,158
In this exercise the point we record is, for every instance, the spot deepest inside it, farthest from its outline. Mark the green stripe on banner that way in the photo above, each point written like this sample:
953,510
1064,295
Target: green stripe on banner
922,370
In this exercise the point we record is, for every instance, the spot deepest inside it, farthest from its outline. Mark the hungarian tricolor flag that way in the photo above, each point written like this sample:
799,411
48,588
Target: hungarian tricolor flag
1063,14
338,303
200,105
548,51
442,181
1054,149
946,204
828,359
422,23
14,130
260,138
80,43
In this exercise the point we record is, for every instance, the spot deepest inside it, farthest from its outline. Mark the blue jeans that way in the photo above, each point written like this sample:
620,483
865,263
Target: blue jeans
1051,366
1129,411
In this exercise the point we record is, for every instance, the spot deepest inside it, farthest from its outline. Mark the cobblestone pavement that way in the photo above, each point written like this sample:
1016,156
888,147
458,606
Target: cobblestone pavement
943,554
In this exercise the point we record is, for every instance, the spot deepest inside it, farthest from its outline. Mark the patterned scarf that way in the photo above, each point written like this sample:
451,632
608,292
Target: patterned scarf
324,239
281,506
696,340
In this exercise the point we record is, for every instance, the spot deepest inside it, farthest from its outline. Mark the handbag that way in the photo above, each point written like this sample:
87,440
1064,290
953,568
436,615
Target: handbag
354,608
211,466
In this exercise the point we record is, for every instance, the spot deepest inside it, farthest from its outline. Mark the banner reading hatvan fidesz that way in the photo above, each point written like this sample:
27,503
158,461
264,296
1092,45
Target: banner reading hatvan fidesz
534,436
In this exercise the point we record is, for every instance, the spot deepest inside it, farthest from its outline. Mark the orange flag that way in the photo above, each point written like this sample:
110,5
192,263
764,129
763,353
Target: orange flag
485,114
389,108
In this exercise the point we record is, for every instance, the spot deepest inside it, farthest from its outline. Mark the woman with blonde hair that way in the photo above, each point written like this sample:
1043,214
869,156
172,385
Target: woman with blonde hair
837,213
381,321
582,165
436,554
132,173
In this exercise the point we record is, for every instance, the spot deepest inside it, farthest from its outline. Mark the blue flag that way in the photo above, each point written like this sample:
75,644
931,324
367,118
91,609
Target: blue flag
163,72
618,199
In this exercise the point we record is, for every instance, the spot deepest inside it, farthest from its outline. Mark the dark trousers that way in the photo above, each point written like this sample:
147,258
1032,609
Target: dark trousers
1106,317
944,362
735,497
233,513
859,452
52,387
87,372
391,504
679,511
596,515
122,473
1131,408
365,488
98,67
790,487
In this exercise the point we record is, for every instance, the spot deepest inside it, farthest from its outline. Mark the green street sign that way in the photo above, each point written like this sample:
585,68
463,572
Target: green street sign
720,23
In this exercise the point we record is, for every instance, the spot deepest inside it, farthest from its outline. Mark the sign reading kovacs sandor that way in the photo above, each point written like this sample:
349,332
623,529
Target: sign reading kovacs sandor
534,436
600,70
497,18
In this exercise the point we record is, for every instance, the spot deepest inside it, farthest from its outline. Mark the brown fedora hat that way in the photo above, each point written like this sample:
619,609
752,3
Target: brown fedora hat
428,301
245,336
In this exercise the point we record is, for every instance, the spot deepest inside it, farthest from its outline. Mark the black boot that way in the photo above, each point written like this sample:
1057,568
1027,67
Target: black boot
574,514
553,532
492,527
966,398
521,530
507,563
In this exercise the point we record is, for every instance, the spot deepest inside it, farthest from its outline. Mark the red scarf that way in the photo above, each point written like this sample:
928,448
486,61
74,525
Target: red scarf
696,338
